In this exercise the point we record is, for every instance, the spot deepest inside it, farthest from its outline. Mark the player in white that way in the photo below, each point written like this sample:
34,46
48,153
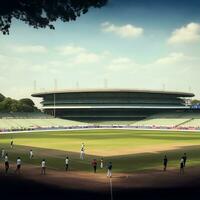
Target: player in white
182,166
31,154
18,165
82,154
2,153
101,164
109,172
67,163
6,163
82,151
43,165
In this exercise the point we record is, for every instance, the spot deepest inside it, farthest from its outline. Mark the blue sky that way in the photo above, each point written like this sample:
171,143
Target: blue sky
148,44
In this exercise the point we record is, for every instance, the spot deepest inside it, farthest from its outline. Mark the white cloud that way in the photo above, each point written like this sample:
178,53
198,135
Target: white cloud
121,64
79,55
125,31
78,63
172,58
29,49
122,60
86,57
186,34
8,64
71,50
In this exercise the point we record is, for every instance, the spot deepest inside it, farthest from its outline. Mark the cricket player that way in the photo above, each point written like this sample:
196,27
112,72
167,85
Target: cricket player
6,163
82,154
94,164
31,154
109,172
11,144
18,165
43,167
165,161
66,163
182,166
101,163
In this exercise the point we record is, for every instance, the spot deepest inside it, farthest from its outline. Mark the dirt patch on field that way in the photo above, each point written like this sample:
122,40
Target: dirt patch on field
119,152
143,149
45,152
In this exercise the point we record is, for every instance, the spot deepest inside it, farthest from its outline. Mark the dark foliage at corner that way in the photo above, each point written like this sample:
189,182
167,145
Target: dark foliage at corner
41,13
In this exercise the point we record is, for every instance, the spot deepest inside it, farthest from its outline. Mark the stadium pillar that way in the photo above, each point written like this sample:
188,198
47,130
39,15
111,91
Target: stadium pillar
54,104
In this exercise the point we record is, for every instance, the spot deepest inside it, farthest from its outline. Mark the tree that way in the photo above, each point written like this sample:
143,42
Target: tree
41,13
27,101
13,105
1,97
26,105
6,104
195,102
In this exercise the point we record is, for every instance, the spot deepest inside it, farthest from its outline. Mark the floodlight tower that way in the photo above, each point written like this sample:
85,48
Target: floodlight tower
54,97
77,85
164,87
34,86
105,83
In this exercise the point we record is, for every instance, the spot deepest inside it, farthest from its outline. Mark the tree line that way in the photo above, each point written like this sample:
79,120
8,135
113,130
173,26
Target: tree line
8,104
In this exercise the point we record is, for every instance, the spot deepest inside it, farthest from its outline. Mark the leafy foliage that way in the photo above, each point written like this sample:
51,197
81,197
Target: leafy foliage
1,97
195,101
11,105
41,13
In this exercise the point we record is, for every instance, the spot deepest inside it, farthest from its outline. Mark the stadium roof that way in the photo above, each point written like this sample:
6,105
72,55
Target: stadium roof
174,93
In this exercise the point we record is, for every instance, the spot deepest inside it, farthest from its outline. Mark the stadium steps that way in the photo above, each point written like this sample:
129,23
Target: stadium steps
194,123
114,122
161,122
183,123
13,121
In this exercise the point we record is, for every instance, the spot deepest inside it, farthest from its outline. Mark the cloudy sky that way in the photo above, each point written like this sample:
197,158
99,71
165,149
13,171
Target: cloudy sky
140,44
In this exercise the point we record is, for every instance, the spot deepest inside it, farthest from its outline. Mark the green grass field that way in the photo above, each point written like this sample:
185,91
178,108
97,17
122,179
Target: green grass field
129,150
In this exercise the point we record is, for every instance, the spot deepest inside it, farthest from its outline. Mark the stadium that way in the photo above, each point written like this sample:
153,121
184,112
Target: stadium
100,99
133,129
112,103
101,108
118,107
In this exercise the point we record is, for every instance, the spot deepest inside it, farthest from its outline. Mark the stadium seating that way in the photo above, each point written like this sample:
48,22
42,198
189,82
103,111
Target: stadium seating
113,122
192,123
171,122
171,119
37,120
9,121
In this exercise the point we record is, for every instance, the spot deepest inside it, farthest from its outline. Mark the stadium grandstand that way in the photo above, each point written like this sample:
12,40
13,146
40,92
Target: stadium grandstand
107,108
33,121
113,104
138,108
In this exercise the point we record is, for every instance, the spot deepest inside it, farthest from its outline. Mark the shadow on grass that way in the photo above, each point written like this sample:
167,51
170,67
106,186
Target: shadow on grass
14,187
